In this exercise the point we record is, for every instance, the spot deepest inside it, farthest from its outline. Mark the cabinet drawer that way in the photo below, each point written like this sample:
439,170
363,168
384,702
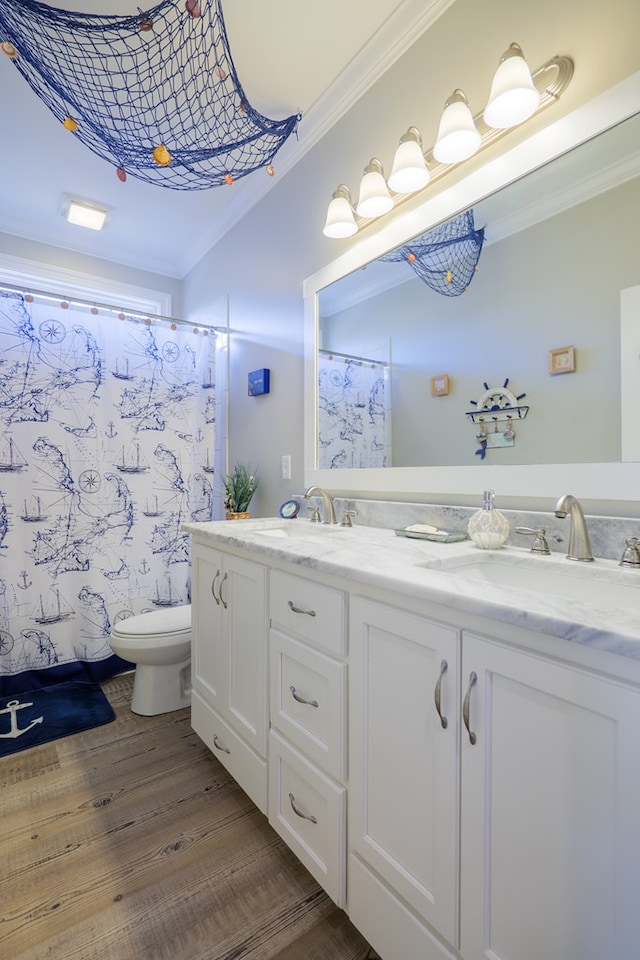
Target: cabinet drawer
245,766
309,610
318,726
308,810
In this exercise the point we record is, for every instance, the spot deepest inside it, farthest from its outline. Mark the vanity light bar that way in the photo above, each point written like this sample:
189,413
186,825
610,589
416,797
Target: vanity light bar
548,83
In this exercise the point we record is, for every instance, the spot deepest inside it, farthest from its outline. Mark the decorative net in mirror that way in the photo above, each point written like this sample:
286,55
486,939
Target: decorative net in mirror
156,93
445,257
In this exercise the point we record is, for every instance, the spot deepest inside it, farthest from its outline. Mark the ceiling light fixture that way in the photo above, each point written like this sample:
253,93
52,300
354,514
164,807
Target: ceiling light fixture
515,95
84,213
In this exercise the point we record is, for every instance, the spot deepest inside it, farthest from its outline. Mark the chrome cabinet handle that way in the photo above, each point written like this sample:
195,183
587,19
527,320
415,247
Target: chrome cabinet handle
294,609
473,679
213,588
299,813
218,745
296,696
222,583
437,695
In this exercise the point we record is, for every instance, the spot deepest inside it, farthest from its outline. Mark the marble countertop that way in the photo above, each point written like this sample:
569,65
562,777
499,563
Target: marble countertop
378,557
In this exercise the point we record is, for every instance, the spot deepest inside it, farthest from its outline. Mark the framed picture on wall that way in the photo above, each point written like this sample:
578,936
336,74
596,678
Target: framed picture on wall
562,360
440,385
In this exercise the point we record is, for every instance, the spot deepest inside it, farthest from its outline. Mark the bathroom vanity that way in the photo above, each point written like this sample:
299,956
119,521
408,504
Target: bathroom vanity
453,757
229,663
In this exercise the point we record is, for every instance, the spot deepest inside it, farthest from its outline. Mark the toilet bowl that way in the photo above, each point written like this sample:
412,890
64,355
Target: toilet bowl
159,643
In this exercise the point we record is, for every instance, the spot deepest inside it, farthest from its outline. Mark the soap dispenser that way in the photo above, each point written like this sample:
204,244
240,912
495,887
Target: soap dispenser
488,528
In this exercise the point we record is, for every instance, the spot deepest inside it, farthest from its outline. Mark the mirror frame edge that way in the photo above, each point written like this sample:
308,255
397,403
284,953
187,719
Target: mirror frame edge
592,481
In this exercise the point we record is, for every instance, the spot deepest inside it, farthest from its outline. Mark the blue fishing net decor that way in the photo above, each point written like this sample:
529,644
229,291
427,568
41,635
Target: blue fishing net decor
445,257
155,93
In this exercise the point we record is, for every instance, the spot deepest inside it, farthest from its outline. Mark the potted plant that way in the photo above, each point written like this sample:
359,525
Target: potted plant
239,488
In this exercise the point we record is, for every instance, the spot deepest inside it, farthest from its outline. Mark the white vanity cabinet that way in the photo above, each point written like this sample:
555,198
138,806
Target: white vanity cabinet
512,831
487,806
403,780
550,830
308,705
229,664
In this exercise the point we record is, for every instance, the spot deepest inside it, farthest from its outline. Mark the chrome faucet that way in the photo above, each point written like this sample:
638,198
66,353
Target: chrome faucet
579,544
327,499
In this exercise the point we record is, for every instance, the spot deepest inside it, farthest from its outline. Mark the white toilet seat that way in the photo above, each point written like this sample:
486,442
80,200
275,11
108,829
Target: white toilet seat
162,624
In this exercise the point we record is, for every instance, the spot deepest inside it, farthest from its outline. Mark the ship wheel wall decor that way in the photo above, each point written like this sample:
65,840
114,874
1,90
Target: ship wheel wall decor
156,93
495,413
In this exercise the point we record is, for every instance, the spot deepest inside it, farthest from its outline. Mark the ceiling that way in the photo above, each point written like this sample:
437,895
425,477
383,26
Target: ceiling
290,58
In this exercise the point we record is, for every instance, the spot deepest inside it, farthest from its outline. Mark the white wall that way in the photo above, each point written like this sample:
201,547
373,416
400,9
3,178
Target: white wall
62,261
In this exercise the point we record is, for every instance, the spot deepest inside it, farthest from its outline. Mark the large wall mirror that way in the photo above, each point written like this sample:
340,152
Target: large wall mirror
397,375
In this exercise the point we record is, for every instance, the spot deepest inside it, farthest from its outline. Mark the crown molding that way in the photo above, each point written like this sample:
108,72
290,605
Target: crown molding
402,28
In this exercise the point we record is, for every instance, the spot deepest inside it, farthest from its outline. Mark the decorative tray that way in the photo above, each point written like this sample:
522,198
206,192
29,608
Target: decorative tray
440,536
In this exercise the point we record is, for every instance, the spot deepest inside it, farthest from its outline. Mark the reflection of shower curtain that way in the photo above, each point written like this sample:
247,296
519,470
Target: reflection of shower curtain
354,422
106,448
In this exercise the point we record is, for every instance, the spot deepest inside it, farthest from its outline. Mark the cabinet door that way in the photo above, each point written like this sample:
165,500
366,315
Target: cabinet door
244,600
207,630
403,758
550,826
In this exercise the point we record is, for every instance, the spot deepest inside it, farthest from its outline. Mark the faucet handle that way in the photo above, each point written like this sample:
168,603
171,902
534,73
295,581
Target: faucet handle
631,555
315,514
346,518
539,544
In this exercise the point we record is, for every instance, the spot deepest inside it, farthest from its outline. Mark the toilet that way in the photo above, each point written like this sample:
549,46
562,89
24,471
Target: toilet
159,643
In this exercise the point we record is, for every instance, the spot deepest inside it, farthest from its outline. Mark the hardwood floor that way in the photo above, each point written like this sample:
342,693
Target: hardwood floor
131,842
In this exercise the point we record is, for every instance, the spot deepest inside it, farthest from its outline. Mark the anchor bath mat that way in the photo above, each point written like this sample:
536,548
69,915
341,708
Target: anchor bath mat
29,719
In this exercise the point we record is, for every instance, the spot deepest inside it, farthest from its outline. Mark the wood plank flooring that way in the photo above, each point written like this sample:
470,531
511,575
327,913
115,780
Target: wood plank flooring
132,842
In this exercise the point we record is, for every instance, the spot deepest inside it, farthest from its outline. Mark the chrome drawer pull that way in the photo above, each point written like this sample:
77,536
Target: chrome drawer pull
437,695
294,609
213,588
218,745
298,813
473,679
222,583
296,696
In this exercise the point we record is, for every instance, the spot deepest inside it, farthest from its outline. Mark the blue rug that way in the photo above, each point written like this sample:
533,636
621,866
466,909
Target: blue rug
29,719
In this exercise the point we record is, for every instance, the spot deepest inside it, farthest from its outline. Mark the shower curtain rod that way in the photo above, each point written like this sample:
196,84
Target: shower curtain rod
349,358
134,314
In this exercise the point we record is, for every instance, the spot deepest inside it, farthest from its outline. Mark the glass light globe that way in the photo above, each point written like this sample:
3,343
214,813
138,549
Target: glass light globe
374,199
340,222
409,172
458,138
514,97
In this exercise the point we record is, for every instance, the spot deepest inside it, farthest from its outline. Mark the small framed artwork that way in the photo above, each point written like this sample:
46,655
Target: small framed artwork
440,385
562,360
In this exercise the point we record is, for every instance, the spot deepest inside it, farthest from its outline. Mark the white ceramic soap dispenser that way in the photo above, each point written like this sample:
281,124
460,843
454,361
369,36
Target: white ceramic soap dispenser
488,528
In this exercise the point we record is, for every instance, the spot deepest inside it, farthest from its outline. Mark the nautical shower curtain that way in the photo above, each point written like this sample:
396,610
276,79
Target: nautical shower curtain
106,449
353,422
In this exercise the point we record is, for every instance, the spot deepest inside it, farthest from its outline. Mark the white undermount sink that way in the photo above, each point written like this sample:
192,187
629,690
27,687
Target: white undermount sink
289,529
601,583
